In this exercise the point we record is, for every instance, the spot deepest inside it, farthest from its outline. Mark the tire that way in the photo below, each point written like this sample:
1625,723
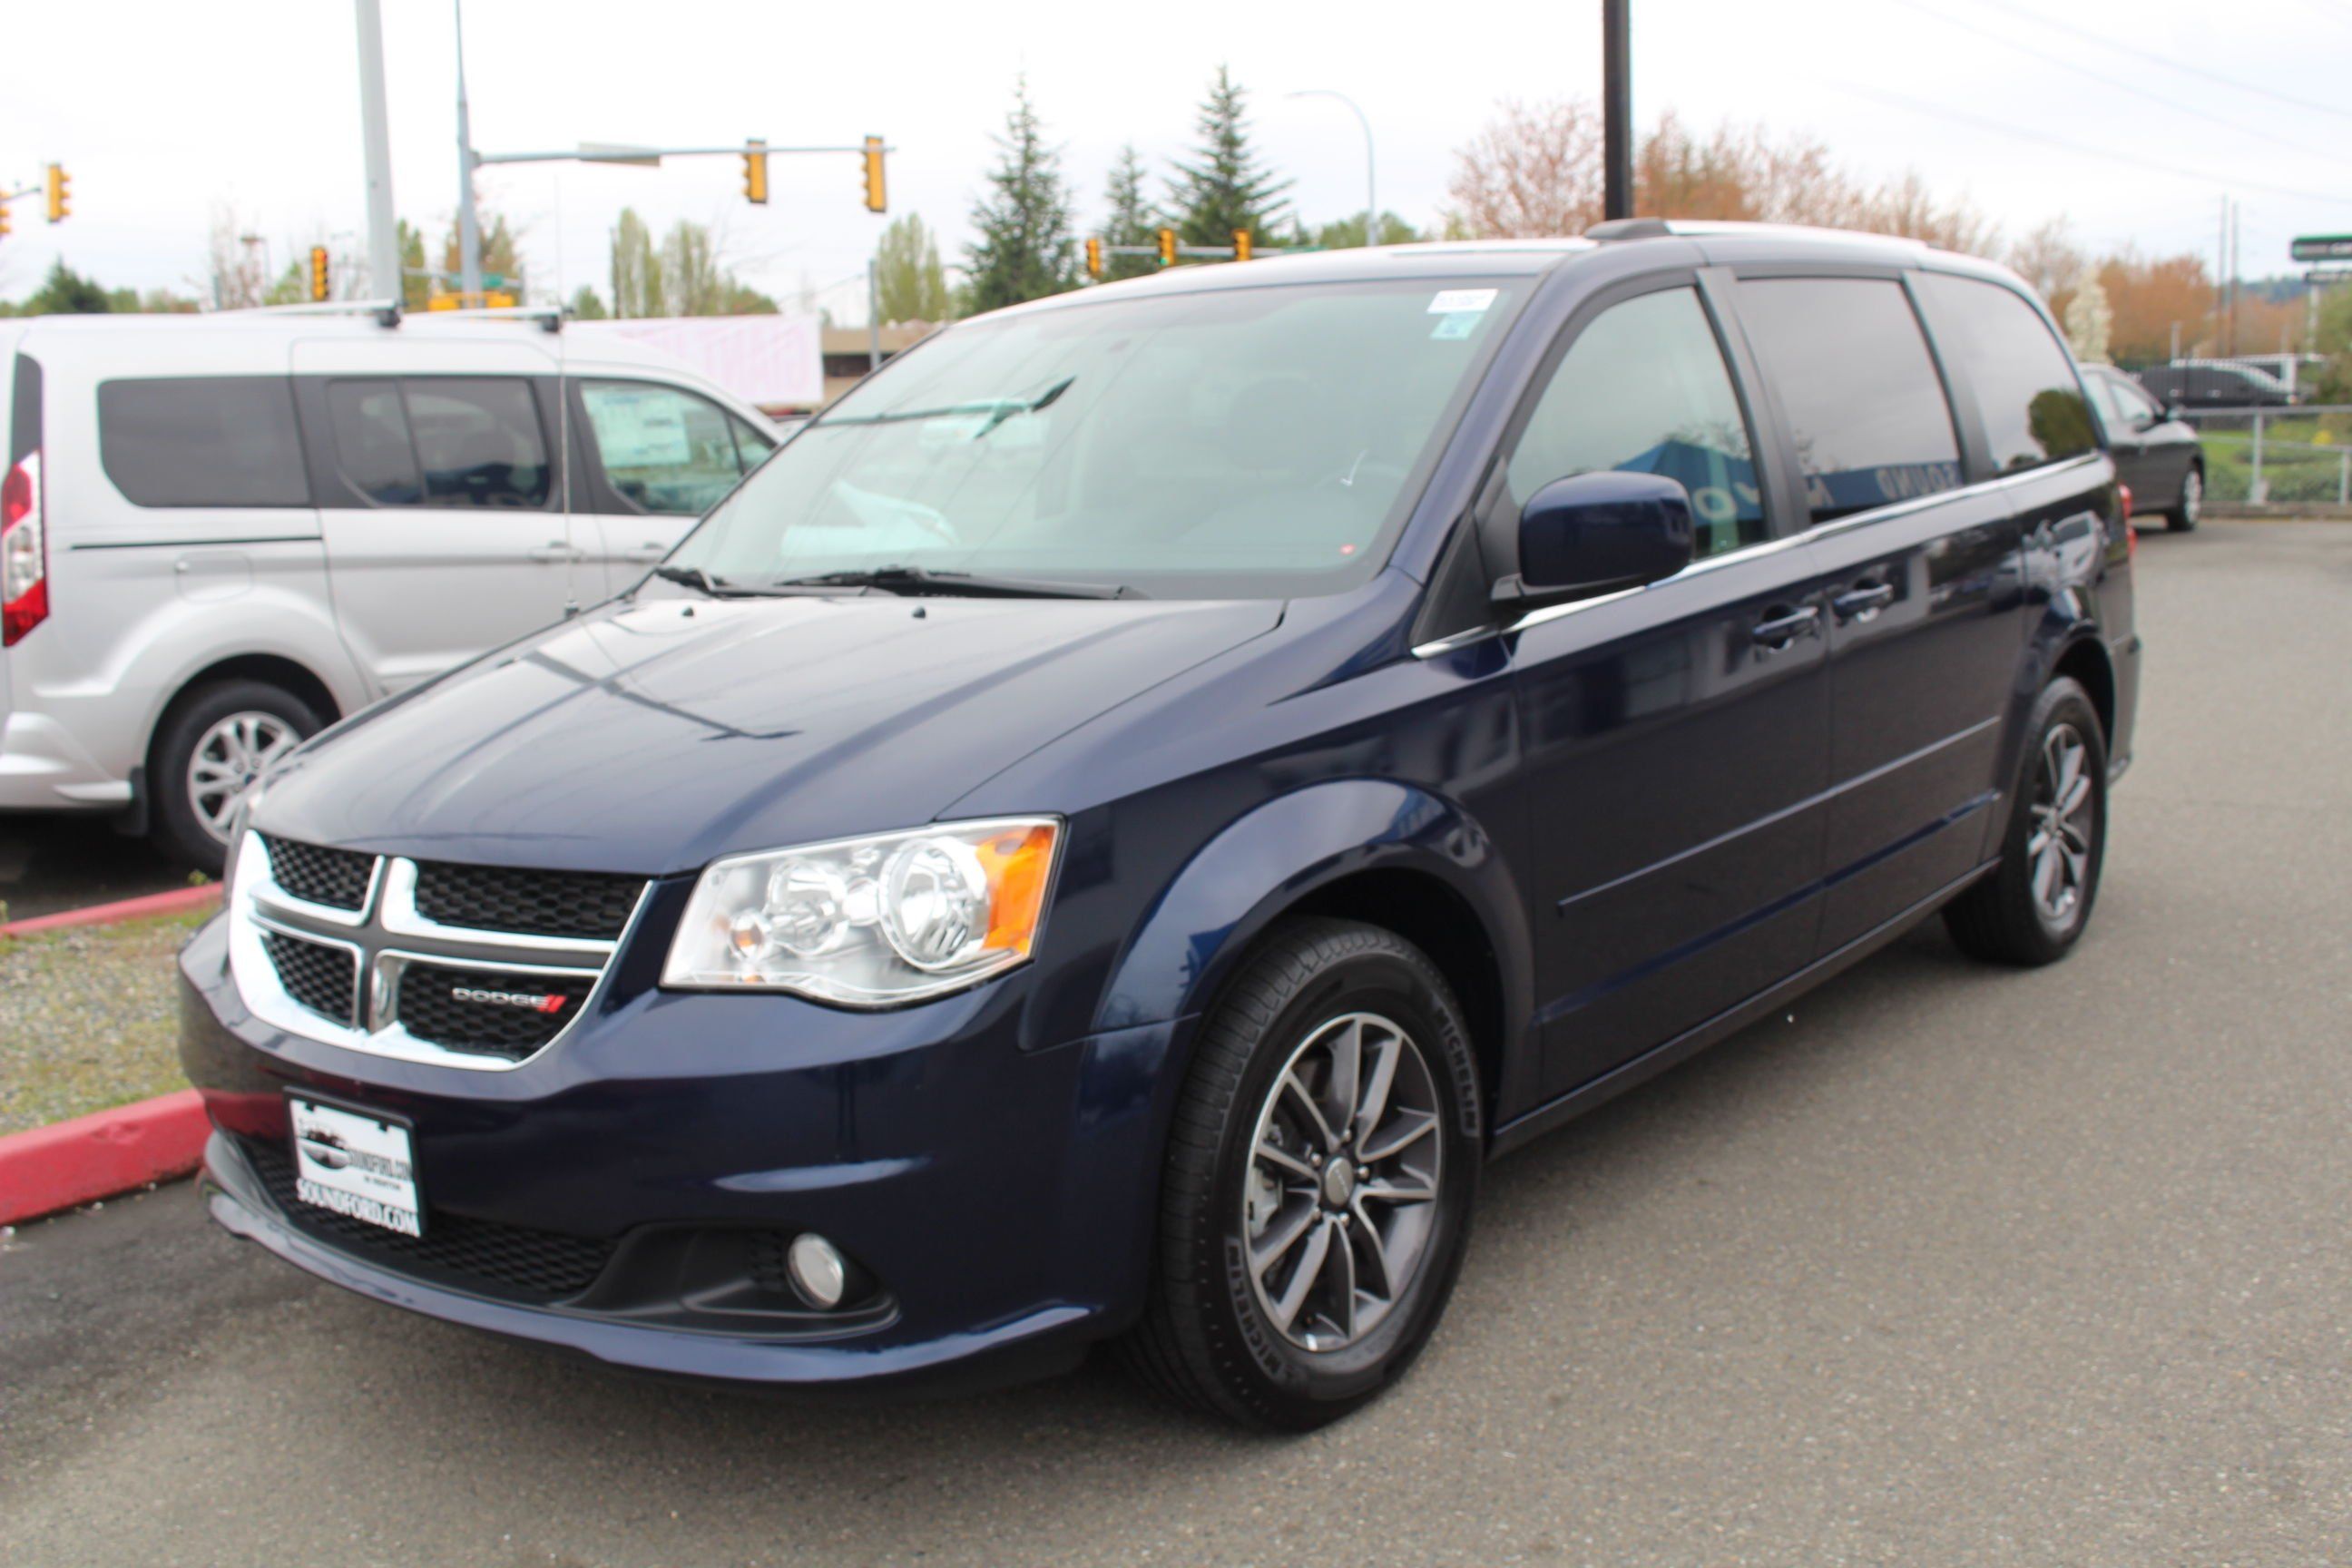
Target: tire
2189,504
1214,1335
2012,916
243,726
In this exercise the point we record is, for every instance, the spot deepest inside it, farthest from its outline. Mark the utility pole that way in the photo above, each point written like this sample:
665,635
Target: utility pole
2221,278
1616,111
384,236
470,228
873,316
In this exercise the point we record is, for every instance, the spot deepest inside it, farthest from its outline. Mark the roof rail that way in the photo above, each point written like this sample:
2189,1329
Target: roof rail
548,317
1630,229
1702,228
386,311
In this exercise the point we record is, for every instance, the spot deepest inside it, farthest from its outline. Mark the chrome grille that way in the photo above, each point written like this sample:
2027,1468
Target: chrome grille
391,975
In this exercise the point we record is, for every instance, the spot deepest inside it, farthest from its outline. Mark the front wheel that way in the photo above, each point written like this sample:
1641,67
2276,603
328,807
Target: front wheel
1316,1202
2031,909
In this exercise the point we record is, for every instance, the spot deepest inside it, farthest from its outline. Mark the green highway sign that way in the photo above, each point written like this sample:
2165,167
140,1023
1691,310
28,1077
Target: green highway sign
2321,247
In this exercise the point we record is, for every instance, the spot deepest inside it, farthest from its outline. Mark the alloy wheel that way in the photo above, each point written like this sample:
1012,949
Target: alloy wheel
2192,496
2064,815
1340,1199
227,760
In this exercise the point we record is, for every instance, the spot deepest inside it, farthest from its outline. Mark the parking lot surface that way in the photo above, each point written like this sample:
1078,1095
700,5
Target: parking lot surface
1947,1266
52,862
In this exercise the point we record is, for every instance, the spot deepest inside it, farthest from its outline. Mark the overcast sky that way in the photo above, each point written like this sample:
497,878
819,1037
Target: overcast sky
165,111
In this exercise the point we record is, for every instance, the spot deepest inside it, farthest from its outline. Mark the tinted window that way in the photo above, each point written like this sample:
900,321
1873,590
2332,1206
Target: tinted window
478,442
372,446
1863,403
664,450
2027,392
1645,388
219,440
754,446
2131,402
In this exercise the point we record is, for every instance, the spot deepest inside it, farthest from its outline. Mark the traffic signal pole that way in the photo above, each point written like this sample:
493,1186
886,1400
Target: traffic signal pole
1616,111
469,228
384,233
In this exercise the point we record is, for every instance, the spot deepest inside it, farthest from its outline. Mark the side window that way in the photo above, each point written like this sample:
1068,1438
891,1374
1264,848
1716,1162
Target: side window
1864,406
372,444
216,440
1645,388
2134,406
752,445
478,441
2027,392
664,450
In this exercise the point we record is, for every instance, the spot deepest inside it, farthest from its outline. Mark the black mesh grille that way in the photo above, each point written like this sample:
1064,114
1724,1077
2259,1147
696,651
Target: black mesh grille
586,904
482,1255
323,979
430,1010
336,878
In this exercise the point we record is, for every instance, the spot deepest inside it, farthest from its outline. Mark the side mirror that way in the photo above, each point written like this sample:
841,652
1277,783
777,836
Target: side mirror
2173,411
1596,533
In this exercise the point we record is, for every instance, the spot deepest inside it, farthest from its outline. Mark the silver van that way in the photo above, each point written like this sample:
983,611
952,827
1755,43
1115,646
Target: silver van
220,533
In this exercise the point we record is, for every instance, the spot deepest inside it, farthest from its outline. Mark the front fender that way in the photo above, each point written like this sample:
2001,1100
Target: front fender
1268,861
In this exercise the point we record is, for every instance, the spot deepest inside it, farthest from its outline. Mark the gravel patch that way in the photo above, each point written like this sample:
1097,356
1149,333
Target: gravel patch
89,1020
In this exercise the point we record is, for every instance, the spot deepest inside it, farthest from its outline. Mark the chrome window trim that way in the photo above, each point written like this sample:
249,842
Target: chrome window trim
255,905
1820,530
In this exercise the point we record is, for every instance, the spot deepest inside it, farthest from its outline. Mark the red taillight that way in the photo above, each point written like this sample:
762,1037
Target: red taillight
2124,492
24,553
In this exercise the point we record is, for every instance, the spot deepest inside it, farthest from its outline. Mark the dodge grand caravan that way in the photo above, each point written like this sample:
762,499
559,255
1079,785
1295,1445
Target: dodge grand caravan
219,533
1107,831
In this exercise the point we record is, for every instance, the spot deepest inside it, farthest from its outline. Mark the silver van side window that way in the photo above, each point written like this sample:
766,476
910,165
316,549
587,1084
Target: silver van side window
202,441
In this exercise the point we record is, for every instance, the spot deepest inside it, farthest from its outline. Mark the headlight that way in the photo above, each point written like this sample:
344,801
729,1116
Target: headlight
871,923
240,824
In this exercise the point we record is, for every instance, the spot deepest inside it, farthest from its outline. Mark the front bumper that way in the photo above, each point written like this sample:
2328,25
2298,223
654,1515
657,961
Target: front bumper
998,1199
44,768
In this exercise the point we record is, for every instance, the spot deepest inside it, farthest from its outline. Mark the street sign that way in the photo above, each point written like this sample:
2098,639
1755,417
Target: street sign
2321,247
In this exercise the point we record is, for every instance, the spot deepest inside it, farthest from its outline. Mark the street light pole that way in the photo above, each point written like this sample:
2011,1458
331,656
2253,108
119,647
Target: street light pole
384,240
1616,111
470,228
1371,190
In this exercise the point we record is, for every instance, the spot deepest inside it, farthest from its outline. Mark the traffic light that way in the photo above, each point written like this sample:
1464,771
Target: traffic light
755,172
61,193
876,199
4,220
320,292
1241,245
1094,258
1167,247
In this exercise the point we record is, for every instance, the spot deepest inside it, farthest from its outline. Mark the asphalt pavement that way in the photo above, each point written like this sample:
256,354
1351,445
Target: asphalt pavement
1947,1266
50,862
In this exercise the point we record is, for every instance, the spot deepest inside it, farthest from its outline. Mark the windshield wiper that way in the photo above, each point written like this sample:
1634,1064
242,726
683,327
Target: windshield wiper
916,580
717,587
992,411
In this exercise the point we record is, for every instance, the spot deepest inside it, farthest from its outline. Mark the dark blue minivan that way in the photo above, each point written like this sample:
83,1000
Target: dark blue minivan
1107,831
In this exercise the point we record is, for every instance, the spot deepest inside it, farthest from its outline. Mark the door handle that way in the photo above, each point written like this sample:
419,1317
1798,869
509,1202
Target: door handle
556,550
1783,630
1863,603
651,549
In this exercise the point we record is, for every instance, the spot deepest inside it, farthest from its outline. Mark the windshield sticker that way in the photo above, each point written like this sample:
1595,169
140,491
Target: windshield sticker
1453,326
1453,301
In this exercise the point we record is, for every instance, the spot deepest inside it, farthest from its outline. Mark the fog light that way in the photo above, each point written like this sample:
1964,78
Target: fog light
818,1273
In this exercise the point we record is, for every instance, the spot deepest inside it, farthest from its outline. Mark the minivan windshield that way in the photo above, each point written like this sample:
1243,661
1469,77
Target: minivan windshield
1253,442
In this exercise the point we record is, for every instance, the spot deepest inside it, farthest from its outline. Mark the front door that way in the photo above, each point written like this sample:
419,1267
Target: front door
1676,739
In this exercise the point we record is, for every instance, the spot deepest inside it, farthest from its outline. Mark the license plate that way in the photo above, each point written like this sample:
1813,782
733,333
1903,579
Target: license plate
356,1164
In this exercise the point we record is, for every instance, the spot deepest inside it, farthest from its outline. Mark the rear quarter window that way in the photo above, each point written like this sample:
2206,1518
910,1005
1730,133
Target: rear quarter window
2027,392
202,441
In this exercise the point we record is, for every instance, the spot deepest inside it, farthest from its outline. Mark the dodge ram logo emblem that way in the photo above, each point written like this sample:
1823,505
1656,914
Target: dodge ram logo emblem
535,1001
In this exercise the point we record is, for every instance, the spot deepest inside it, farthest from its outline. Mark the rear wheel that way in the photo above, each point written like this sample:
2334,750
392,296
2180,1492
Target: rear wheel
1316,1202
2033,910
2189,504
216,742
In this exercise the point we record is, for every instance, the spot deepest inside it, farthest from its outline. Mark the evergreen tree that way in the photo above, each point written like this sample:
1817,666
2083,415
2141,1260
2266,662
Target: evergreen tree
586,305
65,292
1025,246
1348,233
1131,221
1226,188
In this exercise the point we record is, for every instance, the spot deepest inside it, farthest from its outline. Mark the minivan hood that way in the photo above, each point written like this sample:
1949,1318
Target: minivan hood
650,737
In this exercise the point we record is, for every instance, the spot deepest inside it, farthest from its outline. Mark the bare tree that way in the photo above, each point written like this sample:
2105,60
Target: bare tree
2049,259
1532,171
240,270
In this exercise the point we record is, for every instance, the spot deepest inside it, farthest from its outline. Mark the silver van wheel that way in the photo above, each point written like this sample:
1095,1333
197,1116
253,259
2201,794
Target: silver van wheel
1342,1194
227,759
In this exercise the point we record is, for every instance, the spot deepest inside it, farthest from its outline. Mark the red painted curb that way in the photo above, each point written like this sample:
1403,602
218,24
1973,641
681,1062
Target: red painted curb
169,903
91,1157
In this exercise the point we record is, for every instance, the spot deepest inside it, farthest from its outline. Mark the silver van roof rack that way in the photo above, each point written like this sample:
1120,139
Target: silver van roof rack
388,312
